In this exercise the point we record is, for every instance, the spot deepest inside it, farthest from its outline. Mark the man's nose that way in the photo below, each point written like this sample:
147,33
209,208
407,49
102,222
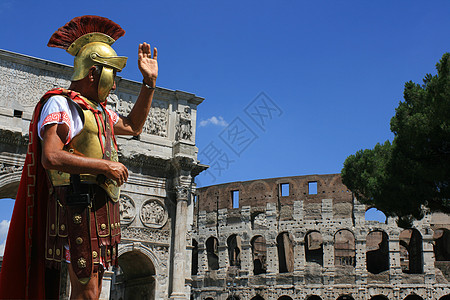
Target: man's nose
114,86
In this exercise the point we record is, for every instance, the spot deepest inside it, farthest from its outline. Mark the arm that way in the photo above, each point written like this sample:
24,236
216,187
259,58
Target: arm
133,123
55,158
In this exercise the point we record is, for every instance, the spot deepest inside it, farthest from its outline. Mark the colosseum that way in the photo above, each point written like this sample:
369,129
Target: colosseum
306,237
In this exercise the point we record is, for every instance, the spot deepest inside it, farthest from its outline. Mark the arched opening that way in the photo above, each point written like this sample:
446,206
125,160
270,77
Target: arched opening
259,254
212,253
313,297
234,250
441,245
373,214
285,253
345,297
285,298
209,298
446,297
257,297
413,297
134,278
379,297
377,255
344,248
233,297
194,264
314,248
411,260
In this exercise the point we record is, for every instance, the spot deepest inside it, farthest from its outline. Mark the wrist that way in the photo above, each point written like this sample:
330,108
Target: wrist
149,83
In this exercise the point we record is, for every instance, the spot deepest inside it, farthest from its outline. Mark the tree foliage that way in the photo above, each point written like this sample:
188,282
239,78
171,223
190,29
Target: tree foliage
412,172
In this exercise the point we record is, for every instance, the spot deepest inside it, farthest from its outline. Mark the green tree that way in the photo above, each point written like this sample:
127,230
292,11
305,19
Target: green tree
412,172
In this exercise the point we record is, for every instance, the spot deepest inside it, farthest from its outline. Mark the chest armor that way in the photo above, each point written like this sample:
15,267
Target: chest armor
96,141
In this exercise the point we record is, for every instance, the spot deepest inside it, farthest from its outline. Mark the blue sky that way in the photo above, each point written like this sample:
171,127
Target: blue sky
334,69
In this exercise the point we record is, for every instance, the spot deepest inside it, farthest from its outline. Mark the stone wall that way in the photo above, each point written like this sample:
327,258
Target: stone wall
306,237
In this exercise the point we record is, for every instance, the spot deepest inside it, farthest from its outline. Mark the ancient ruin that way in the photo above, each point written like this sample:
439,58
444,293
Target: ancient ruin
306,237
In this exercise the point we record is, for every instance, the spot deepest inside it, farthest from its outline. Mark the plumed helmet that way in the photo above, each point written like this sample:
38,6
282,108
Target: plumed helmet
89,39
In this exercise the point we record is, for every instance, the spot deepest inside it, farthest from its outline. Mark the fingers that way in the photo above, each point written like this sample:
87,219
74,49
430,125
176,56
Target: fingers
144,50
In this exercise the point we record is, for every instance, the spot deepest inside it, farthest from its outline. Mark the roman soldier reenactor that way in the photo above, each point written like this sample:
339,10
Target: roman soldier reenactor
67,205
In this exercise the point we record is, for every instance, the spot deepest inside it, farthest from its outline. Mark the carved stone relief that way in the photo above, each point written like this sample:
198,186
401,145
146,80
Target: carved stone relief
260,220
6,169
184,126
157,120
153,213
127,210
145,234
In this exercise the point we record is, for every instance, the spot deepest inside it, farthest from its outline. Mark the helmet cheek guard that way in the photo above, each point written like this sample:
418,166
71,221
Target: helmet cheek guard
106,83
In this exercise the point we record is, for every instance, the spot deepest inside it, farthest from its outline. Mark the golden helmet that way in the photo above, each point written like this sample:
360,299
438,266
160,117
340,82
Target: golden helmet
89,39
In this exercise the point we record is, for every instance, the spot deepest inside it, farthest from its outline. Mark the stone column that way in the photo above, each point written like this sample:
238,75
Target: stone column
179,264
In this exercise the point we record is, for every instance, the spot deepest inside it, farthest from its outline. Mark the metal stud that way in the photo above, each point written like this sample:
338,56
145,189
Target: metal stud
50,251
77,219
79,240
81,263
62,227
58,252
103,226
94,254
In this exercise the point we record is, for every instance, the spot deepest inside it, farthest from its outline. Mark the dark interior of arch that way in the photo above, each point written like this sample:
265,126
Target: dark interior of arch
285,298
137,278
314,248
413,297
379,297
233,297
313,297
285,253
257,297
234,250
259,250
211,253
194,265
446,297
441,245
377,255
345,297
411,259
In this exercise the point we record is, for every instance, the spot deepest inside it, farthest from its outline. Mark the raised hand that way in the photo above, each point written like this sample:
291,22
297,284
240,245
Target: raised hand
148,65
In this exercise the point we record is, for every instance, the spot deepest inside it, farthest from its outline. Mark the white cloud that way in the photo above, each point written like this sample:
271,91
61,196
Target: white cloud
4,226
218,121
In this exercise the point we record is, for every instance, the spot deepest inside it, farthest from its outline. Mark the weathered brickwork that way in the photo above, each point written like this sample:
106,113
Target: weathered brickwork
306,237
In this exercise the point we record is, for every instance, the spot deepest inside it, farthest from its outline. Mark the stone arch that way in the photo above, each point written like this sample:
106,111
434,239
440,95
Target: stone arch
212,252
257,297
374,214
446,297
377,255
234,250
194,264
411,258
344,248
9,184
441,246
314,247
259,253
135,277
285,253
